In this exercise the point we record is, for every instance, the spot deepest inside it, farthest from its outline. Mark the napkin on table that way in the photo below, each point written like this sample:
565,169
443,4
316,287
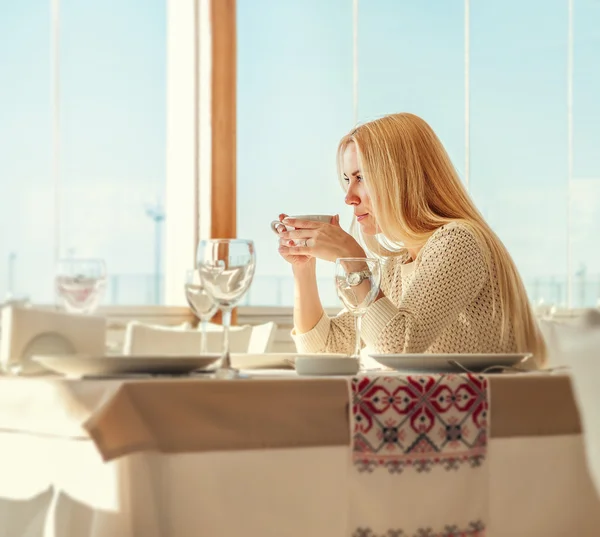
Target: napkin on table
27,332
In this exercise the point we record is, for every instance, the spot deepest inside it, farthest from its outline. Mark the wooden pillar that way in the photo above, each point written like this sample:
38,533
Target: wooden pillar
223,122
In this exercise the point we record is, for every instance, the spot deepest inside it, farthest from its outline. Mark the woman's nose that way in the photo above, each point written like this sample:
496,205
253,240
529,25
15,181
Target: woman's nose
351,198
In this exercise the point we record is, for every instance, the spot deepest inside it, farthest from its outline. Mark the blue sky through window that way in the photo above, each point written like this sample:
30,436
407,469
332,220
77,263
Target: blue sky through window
295,73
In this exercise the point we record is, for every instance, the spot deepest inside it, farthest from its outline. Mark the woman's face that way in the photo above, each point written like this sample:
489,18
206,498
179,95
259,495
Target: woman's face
356,193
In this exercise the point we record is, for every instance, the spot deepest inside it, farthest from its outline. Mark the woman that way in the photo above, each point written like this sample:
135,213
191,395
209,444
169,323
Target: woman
448,284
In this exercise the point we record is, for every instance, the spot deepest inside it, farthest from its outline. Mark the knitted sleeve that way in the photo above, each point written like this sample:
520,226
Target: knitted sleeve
450,276
335,335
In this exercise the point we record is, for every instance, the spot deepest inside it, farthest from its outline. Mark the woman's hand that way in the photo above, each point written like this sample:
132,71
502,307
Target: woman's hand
297,261
317,239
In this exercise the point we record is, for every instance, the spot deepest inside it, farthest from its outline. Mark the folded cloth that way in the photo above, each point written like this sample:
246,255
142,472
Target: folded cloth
27,332
423,434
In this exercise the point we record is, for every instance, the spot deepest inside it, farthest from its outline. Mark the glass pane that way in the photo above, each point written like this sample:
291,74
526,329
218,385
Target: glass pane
26,185
585,230
519,135
411,59
294,104
113,86
585,188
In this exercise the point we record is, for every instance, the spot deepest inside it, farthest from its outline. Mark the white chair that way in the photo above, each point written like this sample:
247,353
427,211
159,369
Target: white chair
581,351
262,338
143,339
560,334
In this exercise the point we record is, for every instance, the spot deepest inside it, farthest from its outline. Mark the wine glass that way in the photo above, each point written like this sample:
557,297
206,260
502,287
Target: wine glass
357,281
200,302
80,284
226,268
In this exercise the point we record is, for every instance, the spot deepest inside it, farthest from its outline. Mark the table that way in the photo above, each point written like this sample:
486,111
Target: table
263,456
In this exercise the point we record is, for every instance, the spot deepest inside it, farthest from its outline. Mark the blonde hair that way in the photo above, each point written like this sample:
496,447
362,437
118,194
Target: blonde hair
415,190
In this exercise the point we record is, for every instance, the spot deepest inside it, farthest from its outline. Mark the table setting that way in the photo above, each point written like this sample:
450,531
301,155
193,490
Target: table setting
351,453
361,445
69,343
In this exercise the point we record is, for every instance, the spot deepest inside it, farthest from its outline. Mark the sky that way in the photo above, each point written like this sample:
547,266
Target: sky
295,100
112,138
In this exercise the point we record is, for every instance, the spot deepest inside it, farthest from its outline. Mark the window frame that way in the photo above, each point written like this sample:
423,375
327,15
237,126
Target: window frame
200,175
203,32
200,190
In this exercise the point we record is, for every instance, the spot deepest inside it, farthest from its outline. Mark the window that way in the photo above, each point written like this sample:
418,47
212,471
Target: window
411,59
26,185
294,101
519,136
84,145
112,144
510,89
585,177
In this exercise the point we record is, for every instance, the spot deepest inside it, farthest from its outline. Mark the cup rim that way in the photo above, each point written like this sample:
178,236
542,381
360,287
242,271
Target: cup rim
227,241
309,216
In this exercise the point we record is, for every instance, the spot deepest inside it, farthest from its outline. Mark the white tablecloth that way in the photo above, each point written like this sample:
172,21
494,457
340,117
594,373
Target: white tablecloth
59,486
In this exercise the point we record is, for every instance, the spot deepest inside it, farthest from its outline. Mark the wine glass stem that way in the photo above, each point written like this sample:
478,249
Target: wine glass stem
226,315
357,326
203,327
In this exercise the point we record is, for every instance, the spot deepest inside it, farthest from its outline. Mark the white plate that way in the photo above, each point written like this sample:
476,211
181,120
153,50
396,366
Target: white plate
441,362
101,366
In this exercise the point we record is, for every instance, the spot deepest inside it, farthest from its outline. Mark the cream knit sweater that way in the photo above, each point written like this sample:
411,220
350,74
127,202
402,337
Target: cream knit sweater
440,303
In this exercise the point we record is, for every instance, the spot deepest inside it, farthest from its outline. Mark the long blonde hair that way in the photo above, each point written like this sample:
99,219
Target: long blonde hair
415,189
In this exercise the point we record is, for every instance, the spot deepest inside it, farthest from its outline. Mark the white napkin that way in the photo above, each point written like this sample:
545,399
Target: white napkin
27,332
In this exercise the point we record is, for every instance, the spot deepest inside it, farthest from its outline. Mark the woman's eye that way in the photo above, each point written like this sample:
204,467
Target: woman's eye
359,178
346,180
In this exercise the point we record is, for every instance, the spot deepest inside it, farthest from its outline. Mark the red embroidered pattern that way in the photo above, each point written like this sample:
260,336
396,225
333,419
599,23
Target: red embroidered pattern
475,529
419,422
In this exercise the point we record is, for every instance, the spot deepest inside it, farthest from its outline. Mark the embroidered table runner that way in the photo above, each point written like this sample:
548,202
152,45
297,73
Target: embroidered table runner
419,456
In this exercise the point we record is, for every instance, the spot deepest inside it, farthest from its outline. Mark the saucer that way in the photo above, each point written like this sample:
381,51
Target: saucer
317,365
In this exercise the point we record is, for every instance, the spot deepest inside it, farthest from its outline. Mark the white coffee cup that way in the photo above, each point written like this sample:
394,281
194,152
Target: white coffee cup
278,226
